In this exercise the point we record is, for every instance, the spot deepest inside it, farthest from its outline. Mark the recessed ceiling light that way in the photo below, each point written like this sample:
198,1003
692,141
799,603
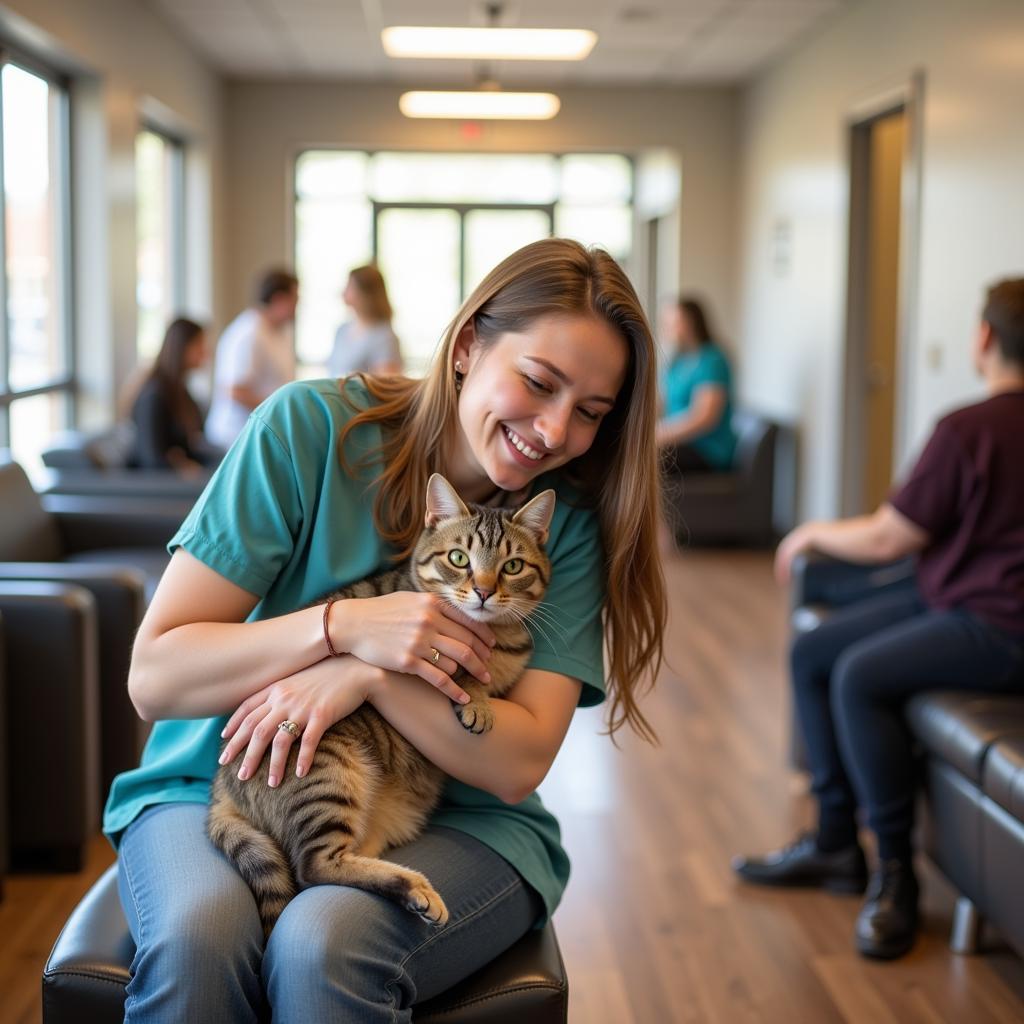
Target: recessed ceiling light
478,106
488,43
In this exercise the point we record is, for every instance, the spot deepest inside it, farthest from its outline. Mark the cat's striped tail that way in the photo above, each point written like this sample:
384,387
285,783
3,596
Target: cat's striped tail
260,861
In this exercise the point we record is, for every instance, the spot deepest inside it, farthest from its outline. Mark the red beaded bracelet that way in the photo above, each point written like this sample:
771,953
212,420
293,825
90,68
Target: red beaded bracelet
327,631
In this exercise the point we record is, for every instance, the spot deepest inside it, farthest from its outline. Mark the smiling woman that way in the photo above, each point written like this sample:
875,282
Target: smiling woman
545,379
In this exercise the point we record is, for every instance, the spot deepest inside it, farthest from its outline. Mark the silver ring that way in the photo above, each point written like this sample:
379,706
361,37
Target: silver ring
435,655
290,727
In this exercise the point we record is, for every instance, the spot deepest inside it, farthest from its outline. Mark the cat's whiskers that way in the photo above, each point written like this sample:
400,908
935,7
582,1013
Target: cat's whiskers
548,605
542,613
530,623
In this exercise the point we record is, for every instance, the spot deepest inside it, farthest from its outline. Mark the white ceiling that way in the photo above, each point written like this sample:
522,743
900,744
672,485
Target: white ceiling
640,42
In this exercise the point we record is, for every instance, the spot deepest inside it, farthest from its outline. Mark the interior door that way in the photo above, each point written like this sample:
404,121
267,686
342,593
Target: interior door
882,314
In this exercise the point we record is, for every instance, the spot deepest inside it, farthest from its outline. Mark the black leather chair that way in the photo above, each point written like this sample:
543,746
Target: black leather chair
114,530
4,855
112,550
85,976
972,751
737,507
96,463
51,746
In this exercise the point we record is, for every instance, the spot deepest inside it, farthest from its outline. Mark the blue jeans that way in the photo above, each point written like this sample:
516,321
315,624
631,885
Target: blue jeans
852,677
336,954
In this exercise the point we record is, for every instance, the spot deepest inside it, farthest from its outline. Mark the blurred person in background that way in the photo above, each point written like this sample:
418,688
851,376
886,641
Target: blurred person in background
255,356
167,419
366,343
696,386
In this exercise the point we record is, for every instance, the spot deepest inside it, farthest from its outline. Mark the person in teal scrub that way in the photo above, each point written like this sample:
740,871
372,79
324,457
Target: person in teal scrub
545,378
696,387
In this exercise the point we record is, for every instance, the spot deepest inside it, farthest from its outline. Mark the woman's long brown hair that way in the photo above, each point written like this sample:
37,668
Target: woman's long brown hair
619,476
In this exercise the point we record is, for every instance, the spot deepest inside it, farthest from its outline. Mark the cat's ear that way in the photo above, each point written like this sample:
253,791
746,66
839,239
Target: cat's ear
536,515
443,502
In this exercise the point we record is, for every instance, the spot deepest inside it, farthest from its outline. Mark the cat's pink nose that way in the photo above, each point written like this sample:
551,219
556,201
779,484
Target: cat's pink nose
482,594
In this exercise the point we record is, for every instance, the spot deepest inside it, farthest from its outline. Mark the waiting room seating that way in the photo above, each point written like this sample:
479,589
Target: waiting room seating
52,707
972,750
87,971
75,575
4,750
95,463
737,507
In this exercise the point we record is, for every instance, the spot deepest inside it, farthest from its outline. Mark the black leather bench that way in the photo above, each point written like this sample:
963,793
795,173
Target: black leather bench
973,746
85,977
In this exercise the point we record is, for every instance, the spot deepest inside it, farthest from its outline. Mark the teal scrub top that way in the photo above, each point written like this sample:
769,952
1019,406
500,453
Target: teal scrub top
283,520
686,374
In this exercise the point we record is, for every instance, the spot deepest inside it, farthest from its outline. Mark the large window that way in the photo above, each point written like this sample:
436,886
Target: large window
35,340
435,223
159,219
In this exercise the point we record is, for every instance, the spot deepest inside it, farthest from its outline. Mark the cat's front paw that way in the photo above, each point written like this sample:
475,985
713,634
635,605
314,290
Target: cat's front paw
476,716
424,900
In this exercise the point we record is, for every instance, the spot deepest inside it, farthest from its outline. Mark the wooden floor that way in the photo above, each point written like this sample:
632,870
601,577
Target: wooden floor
653,928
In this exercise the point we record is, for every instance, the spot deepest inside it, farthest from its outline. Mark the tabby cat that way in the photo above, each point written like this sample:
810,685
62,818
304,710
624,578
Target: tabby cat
368,788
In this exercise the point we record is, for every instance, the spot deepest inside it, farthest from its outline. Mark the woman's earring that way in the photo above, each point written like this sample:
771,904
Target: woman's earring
459,374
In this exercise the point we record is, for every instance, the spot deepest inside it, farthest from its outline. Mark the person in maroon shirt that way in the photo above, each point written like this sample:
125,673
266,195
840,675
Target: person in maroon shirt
958,624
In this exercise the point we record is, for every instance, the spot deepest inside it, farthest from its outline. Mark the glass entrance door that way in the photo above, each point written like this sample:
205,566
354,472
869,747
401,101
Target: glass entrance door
491,235
419,253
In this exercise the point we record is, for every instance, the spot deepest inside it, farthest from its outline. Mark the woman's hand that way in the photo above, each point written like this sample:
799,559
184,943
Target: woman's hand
314,699
401,631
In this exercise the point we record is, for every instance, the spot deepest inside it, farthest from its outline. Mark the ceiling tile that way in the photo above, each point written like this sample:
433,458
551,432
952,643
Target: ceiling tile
639,40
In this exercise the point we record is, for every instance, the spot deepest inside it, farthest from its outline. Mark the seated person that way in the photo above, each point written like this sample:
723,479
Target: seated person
696,392
959,625
366,343
168,422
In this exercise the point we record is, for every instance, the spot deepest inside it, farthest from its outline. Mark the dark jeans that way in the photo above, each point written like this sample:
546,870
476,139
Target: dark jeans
851,679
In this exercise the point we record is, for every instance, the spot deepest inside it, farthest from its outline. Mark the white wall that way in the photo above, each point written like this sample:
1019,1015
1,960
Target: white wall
269,123
793,152
124,60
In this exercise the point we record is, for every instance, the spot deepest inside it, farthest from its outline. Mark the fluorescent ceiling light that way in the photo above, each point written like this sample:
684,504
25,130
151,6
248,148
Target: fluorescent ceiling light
484,105
488,43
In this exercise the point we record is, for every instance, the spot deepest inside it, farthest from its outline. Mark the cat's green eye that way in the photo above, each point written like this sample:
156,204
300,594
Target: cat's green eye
513,566
458,558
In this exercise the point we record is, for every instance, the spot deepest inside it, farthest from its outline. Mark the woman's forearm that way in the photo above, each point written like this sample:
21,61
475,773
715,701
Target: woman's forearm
701,417
509,761
857,539
202,669
679,429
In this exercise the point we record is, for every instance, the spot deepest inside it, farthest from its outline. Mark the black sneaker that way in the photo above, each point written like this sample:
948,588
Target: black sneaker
802,864
887,923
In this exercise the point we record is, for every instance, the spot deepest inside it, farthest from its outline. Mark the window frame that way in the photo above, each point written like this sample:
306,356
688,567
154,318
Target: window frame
60,137
461,207
177,214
